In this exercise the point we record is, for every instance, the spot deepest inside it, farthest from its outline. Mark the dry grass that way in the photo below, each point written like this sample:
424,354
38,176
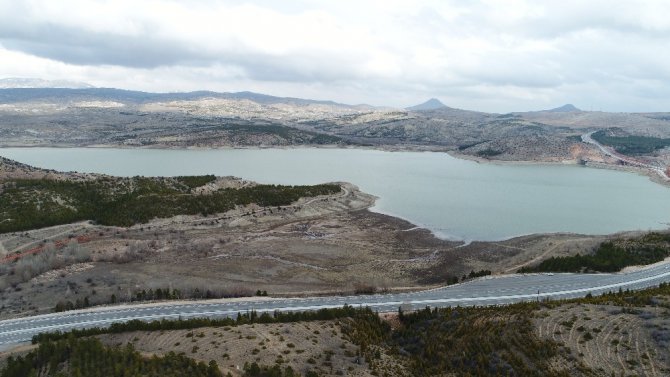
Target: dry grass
611,341
317,346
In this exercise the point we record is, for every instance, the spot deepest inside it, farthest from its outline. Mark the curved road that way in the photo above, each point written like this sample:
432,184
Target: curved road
484,291
588,138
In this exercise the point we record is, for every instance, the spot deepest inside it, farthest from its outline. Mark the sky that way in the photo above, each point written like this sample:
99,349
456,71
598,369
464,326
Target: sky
488,55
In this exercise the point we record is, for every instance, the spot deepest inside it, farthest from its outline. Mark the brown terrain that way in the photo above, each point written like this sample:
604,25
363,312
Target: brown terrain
609,339
303,346
326,246
593,340
323,245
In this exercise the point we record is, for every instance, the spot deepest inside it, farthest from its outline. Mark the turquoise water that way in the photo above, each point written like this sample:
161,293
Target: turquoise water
454,198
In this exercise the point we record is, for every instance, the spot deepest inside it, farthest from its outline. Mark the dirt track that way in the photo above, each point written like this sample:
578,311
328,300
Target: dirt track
609,340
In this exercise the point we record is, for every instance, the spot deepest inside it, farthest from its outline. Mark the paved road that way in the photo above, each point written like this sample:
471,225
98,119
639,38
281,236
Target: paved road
485,291
587,138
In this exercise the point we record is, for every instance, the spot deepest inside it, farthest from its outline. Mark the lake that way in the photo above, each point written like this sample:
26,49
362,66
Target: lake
454,198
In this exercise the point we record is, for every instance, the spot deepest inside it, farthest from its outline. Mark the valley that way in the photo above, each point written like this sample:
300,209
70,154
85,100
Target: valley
253,188
85,239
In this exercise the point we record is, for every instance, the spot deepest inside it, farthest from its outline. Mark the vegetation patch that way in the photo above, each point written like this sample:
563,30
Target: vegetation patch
196,180
193,323
488,152
89,357
255,370
459,341
476,342
463,147
49,259
37,203
289,134
656,296
610,256
631,145
482,341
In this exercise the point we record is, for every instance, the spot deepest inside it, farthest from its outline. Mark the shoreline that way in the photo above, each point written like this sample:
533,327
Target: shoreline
382,148
652,175
452,153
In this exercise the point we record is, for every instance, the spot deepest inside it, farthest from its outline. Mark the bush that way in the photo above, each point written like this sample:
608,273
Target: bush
49,259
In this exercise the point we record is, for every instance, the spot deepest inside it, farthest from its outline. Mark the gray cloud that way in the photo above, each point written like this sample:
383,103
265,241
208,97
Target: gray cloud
501,56
78,46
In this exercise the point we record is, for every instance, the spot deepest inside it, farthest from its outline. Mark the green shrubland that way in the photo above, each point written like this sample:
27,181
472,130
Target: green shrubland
631,145
611,256
36,203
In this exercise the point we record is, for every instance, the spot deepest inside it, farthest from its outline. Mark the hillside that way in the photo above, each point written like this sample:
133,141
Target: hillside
431,104
28,202
114,117
621,333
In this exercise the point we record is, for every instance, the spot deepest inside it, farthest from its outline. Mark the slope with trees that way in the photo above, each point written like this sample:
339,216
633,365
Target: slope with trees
36,203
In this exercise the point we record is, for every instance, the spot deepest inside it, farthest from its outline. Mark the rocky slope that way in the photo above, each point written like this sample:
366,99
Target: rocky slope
112,117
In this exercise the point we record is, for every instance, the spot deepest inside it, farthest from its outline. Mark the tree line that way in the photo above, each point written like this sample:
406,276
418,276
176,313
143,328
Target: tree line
158,295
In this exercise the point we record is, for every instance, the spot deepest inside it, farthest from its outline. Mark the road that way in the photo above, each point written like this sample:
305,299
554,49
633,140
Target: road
587,138
504,289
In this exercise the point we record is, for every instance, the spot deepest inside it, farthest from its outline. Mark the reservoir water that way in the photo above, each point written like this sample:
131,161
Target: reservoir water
454,198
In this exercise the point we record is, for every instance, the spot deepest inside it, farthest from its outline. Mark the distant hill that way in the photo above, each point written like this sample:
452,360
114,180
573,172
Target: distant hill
16,82
16,94
567,108
431,104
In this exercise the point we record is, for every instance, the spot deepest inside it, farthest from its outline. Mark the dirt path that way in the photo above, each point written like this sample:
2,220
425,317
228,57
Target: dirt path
536,259
268,257
344,198
540,257
81,226
587,138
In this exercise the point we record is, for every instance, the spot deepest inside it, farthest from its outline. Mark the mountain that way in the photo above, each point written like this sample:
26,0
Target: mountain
16,82
567,108
431,104
13,91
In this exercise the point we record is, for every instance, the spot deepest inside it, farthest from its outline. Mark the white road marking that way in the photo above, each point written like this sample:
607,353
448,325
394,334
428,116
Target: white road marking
22,329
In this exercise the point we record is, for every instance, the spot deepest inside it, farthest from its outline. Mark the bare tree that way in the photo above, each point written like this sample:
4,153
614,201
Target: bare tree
203,246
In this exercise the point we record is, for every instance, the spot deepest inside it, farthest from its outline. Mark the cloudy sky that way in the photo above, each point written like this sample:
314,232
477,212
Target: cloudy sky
506,55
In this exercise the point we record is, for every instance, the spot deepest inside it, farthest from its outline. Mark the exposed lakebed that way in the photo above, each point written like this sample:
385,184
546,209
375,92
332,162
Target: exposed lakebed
454,198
